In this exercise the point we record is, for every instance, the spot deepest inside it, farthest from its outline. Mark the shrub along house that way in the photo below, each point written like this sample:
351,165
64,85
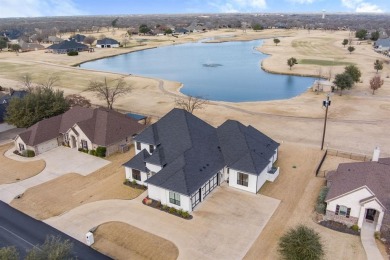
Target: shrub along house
182,159
80,128
360,192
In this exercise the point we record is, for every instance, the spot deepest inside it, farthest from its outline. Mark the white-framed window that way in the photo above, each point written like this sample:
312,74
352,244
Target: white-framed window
174,198
138,146
66,137
21,147
84,144
343,210
151,148
242,179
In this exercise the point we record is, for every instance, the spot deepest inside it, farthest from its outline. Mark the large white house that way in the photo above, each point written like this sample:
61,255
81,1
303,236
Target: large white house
360,192
80,128
182,159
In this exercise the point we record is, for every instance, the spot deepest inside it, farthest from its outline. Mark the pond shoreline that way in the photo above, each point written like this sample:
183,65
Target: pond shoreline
250,77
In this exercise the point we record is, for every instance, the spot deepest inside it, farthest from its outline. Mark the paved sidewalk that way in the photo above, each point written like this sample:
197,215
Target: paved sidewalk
224,226
59,161
368,241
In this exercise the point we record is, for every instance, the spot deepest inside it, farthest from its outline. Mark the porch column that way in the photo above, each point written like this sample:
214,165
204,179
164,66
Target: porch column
379,223
361,216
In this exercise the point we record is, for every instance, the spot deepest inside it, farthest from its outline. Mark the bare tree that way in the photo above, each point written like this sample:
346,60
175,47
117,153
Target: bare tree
125,41
190,103
109,91
375,83
50,81
26,80
78,100
89,40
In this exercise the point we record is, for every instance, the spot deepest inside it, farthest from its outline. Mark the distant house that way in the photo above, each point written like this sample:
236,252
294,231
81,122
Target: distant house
181,31
360,192
182,159
12,34
67,46
53,39
4,101
323,86
107,43
78,38
382,45
25,46
80,128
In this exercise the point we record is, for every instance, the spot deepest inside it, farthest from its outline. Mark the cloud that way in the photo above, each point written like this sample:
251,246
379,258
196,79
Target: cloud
36,8
360,6
368,8
234,6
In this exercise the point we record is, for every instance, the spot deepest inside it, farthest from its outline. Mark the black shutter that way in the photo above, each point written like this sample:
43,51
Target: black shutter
337,209
348,212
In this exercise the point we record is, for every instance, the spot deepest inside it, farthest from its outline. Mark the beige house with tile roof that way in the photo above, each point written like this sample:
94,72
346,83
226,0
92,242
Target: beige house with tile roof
80,127
360,192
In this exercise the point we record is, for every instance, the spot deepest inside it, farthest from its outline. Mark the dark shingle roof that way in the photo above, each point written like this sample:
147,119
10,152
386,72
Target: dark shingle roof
102,127
78,37
245,148
107,41
351,176
68,45
138,161
383,42
3,108
194,151
4,101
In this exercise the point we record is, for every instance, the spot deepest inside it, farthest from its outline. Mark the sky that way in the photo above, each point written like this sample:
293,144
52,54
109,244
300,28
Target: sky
37,8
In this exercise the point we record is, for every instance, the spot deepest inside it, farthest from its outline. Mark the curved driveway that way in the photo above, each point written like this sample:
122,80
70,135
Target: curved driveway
59,161
224,226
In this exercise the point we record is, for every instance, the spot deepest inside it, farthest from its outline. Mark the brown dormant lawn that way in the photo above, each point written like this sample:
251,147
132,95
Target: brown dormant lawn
71,190
122,241
13,171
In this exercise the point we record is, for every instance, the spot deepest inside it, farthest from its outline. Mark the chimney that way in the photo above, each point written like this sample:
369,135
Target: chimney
375,156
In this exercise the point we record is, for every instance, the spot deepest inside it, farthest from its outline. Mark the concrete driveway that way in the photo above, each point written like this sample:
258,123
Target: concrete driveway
59,161
224,226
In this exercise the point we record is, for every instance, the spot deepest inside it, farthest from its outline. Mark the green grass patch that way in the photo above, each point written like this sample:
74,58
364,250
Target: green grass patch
324,62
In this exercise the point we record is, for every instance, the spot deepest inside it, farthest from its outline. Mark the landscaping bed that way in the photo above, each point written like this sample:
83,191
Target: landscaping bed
339,227
157,205
134,185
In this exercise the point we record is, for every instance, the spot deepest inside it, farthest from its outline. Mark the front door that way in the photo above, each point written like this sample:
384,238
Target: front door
370,215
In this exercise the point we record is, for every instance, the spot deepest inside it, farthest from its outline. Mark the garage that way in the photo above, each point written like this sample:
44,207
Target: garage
46,146
210,185
196,198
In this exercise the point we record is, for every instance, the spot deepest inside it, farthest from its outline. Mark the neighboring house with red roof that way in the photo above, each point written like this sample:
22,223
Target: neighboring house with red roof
80,127
360,192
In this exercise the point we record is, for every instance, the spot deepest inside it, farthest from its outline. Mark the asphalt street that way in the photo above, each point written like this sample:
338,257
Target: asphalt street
24,232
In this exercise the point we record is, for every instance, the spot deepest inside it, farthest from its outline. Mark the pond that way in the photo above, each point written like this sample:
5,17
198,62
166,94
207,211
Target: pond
229,71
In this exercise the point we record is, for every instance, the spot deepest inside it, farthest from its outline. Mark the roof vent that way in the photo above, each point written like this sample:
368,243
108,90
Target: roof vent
207,164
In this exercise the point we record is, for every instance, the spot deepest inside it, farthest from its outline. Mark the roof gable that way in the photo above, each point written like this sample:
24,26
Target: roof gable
351,176
192,151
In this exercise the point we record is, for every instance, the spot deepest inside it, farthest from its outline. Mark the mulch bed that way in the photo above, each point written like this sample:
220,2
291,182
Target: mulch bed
339,227
135,186
157,205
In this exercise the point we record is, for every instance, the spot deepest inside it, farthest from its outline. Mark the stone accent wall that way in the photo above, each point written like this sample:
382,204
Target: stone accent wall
330,215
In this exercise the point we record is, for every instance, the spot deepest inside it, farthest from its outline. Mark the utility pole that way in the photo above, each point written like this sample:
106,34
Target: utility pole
326,104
